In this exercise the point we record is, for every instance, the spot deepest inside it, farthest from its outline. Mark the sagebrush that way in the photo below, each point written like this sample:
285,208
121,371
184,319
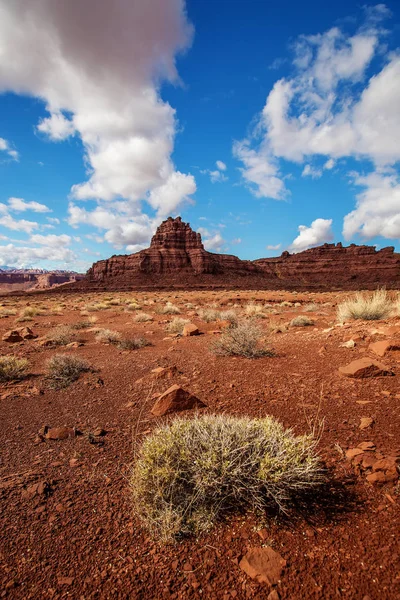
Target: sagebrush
243,340
190,472
12,368
64,369
368,307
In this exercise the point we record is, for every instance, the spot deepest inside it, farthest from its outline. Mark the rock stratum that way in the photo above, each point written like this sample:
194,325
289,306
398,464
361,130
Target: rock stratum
176,258
26,280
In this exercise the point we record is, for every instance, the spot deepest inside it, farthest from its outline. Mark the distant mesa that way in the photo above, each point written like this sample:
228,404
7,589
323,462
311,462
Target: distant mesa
12,279
176,258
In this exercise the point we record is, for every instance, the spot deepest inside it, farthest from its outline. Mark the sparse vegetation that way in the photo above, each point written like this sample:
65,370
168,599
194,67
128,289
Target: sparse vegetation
169,309
369,307
64,369
133,343
61,335
7,312
108,336
12,368
243,340
176,325
189,473
301,321
27,314
143,317
208,314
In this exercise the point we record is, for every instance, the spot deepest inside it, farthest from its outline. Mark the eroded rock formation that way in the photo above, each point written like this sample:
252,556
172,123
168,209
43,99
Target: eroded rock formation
177,258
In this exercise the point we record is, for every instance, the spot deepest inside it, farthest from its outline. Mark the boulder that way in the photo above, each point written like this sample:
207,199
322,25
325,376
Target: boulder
364,367
190,329
26,333
12,336
382,347
263,564
163,372
60,433
175,399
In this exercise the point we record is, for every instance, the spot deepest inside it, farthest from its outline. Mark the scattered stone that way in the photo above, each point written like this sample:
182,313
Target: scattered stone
366,422
353,452
367,446
26,333
348,344
60,433
175,399
263,564
99,431
12,337
74,462
364,367
190,329
382,347
74,345
41,488
273,595
163,372
376,478
65,580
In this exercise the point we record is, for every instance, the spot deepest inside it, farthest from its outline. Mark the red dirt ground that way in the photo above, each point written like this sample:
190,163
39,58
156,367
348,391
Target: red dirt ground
80,538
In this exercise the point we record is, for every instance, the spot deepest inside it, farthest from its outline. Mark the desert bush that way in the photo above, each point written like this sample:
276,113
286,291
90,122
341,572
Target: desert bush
169,309
143,317
27,314
133,343
108,336
311,307
97,306
243,340
12,368
208,314
7,312
189,473
61,335
368,307
81,325
252,310
176,325
229,315
301,321
132,306
64,369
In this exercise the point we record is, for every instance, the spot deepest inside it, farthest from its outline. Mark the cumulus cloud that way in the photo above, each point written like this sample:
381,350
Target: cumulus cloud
377,210
27,256
319,232
216,175
214,243
51,240
18,224
99,68
332,108
272,247
19,205
8,149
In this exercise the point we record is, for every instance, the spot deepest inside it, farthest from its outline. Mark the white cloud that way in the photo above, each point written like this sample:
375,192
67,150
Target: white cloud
53,220
272,247
377,210
260,171
330,163
51,240
310,171
18,225
24,256
99,68
319,232
5,147
214,243
221,165
216,176
236,241
19,205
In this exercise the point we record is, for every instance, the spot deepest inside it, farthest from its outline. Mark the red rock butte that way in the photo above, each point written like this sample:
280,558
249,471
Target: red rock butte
177,259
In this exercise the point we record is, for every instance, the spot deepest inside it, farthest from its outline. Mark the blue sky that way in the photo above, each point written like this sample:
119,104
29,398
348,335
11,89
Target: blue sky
267,125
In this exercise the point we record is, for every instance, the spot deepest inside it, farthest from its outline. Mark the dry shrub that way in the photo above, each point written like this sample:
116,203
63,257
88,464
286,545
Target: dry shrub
108,336
63,369
189,473
243,340
252,310
27,314
81,325
7,312
134,343
12,368
61,335
369,307
176,325
143,317
208,314
132,306
311,307
301,321
229,315
169,309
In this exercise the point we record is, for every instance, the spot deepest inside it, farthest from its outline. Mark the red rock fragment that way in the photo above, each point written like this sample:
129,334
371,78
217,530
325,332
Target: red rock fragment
190,329
163,372
60,433
365,422
383,346
12,337
175,399
263,564
364,367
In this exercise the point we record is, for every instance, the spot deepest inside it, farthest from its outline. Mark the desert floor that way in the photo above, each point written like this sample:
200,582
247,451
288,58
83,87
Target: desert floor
75,534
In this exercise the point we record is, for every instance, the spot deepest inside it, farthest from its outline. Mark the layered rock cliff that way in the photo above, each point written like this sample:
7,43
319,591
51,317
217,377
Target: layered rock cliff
177,258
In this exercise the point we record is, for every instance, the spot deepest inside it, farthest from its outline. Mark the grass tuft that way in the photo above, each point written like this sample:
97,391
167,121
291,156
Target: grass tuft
12,368
243,340
64,369
189,473
367,307
176,325
108,336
